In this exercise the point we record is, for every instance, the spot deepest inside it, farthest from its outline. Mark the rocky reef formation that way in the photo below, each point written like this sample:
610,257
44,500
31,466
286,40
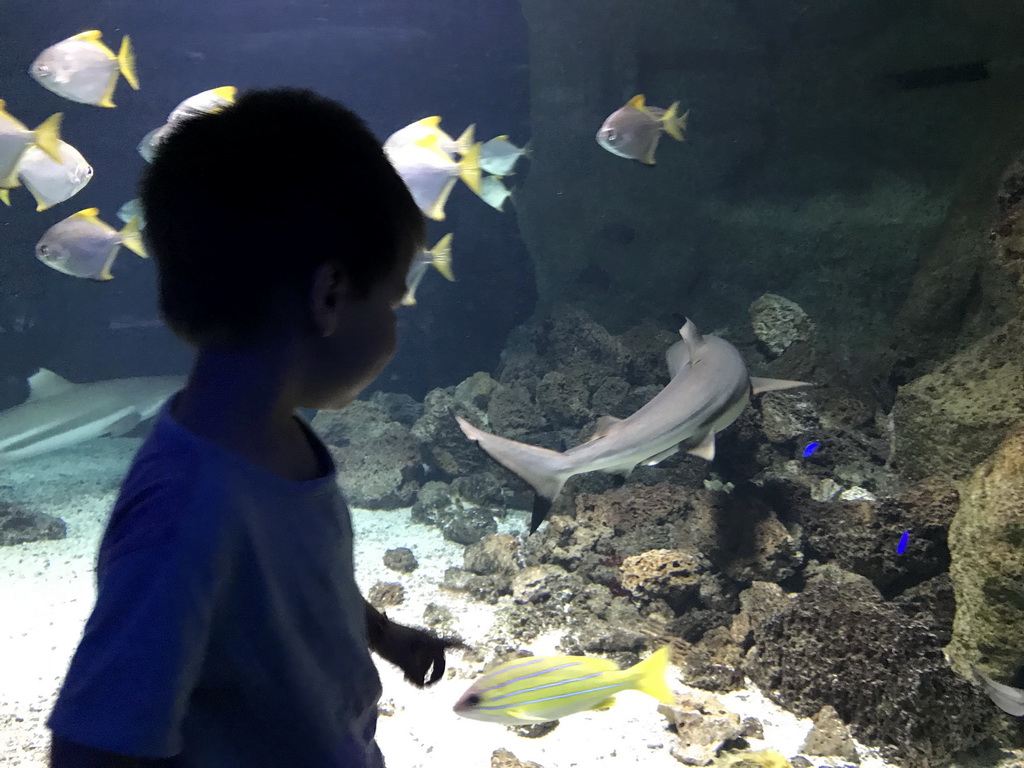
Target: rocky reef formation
820,574
986,541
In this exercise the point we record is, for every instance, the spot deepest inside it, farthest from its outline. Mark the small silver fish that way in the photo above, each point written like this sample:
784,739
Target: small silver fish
132,210
440,257
1006,697
494,192
85,70
84,246
499,156
430,173
15,140
49,182
431,126
205,102
151,142
633,131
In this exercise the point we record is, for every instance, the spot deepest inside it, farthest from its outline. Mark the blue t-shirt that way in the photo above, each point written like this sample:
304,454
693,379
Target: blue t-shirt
228,629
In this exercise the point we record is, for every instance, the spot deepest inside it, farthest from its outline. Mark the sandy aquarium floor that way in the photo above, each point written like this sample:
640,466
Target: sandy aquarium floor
46,592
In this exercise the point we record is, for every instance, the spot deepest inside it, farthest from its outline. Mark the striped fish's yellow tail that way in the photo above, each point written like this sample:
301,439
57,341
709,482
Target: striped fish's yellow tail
649,676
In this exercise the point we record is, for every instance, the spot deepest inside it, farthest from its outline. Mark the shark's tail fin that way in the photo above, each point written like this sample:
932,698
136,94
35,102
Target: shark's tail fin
540,467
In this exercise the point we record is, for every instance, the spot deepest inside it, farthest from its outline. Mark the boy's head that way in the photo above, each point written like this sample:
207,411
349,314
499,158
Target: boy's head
280,217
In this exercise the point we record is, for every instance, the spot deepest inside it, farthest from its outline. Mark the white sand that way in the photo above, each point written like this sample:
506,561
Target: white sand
46,592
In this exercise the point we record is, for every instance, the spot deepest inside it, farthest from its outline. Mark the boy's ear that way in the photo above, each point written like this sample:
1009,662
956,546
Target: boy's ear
327,294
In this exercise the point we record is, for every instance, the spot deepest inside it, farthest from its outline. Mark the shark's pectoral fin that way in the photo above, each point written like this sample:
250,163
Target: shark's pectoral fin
604,425
46,383
759,385
660,457
125,424
705,448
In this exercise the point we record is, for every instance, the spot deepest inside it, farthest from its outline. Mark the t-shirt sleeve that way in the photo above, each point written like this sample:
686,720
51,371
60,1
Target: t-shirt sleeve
129,683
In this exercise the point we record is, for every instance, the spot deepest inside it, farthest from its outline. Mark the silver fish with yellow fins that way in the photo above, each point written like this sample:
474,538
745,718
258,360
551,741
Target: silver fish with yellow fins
50,182
15,141
538,689
84,246
83,69
431,126
499,156
430,173
439,257
494,192
633,130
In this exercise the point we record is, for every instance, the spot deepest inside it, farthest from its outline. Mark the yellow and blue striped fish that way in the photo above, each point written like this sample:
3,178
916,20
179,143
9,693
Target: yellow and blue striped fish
537,689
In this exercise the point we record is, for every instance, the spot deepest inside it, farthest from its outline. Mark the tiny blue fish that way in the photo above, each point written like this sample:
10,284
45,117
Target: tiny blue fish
810,449
904,540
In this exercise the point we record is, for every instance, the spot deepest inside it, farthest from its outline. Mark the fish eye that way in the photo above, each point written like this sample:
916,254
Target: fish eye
611,135
472,700
88,172
42,69
44,250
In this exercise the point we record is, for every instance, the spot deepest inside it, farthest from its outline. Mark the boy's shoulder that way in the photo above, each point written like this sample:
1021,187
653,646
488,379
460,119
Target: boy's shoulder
170,484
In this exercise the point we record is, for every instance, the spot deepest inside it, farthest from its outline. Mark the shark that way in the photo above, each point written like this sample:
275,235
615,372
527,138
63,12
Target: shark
708,390
1006,697
59,413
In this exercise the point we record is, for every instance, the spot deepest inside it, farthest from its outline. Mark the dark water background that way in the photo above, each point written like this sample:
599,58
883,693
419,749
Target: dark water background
392,61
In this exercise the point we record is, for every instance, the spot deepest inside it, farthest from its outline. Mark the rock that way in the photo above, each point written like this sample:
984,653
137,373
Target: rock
839,643
398,407
703,725
435,615
502,758
483,489
829,737
20,526
714,663
401,559
610,396
512,413
445,448
484,588
931,603
760,602
986,541
494,554
671,575
789,415
951,419
459,520
379,461
862,536
779,322
564,401
476,390
385,594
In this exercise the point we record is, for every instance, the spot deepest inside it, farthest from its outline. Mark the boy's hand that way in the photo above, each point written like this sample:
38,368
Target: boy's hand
415,651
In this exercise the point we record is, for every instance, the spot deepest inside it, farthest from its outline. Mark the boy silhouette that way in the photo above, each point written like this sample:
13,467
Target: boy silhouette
228,630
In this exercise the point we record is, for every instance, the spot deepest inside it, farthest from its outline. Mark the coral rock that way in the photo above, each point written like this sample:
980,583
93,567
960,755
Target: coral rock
986,540
779,322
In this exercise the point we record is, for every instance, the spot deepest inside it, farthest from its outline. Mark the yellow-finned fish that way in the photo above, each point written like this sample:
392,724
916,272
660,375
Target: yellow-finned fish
431,126
538,689
85,70
633,131
205,102
49,182
84,246
15,140
440,257
430,173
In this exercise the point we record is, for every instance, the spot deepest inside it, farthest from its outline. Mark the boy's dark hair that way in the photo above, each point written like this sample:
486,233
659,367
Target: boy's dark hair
243,205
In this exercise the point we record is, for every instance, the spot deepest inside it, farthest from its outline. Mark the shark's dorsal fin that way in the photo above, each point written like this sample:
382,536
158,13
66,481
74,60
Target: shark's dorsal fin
759,385
705,448
691,336
677,357
604,424
46,383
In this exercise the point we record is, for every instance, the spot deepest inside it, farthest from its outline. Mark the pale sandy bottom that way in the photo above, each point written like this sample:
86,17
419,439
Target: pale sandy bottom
46,592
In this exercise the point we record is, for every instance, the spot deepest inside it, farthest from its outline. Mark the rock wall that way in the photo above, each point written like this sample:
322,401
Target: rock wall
833,148
986,542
